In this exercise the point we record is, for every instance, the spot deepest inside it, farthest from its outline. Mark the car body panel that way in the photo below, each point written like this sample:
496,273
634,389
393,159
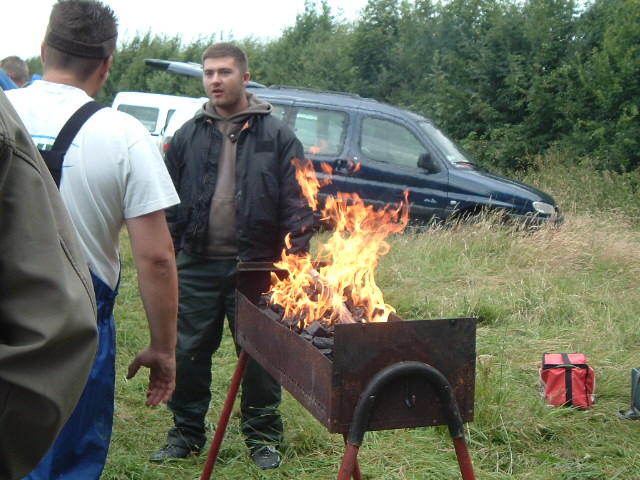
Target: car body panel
153,110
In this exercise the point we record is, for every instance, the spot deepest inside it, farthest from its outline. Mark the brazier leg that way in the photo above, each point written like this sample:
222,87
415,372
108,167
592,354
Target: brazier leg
224,416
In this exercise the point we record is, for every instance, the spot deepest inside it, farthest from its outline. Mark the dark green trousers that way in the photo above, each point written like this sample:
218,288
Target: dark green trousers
207,296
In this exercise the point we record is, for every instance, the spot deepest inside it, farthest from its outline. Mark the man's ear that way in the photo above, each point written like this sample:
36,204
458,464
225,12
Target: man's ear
245,78
105,67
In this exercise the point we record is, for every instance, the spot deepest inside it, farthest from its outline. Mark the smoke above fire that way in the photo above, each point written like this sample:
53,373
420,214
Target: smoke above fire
338,285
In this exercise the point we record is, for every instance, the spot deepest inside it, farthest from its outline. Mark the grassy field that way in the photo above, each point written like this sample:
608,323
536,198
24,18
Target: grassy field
570,289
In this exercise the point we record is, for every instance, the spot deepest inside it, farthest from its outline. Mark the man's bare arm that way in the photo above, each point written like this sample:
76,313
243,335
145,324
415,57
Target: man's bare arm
154,258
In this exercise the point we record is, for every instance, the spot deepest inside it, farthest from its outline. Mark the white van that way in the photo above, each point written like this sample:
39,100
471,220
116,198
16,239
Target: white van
153,110
181,115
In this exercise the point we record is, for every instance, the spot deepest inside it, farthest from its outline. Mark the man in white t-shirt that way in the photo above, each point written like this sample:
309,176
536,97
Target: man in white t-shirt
113,176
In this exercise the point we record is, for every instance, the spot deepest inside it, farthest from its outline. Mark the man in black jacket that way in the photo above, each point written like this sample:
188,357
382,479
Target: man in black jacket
231,165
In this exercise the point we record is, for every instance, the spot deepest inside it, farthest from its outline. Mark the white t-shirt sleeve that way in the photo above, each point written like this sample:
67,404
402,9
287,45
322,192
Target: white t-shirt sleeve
148,186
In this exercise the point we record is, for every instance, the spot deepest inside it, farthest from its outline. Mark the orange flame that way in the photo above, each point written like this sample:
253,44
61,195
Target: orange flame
351,256
307,179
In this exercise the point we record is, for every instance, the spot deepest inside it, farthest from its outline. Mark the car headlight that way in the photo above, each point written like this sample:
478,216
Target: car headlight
542,207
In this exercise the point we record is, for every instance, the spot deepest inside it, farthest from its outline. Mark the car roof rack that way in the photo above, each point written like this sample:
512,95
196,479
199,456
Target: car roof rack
189,69
316,90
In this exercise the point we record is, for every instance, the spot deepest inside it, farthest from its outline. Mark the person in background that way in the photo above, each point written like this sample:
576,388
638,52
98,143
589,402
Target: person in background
17,69
248,204
113,176
47,305
5,81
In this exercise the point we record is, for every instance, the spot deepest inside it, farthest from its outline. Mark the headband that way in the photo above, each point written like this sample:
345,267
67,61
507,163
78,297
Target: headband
80,49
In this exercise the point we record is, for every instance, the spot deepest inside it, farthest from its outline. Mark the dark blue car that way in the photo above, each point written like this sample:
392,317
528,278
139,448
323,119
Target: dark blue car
379,151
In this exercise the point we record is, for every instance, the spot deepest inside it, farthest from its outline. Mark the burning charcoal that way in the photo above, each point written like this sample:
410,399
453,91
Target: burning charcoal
292,321
264,300
317,329
310,291
323,290
322,343
272,315
326,352
360,314
343,315
349,299
279,309
307,336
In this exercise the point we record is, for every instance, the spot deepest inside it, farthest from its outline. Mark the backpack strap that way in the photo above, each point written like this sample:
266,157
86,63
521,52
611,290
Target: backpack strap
55,157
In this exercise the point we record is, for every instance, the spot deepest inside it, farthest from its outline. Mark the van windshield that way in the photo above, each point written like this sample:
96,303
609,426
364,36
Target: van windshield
454,154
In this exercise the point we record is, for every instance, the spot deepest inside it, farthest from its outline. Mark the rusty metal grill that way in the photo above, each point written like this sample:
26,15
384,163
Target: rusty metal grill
330,389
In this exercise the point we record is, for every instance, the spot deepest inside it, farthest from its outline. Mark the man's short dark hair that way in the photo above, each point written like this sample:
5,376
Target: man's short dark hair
16,68
224,49
80,35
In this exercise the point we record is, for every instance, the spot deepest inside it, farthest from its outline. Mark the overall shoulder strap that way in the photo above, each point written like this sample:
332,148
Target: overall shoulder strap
74,124
54,157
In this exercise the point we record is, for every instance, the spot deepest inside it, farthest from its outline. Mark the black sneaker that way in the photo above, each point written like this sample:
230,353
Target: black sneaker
266,457
172,452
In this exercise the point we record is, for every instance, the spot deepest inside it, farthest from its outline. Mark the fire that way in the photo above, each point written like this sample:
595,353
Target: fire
343,289
307,179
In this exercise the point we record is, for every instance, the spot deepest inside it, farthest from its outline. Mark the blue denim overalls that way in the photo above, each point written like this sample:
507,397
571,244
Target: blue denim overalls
80,451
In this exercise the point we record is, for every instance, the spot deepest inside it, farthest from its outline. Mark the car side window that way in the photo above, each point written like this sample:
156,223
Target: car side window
321,131
148,116
170,113
386,141
280,112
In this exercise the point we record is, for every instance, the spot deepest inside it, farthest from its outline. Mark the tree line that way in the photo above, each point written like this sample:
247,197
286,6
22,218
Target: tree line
510,80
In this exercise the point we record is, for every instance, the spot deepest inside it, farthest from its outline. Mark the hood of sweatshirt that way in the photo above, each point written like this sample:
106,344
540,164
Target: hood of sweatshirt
256,107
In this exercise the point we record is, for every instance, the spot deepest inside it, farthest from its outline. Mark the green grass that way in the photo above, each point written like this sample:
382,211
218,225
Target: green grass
575,288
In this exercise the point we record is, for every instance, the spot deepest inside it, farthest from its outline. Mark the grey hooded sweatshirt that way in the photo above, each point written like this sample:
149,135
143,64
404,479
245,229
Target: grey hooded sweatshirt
221,240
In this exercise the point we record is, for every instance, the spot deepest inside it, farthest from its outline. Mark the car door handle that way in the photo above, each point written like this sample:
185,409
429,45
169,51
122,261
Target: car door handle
348,165
339,164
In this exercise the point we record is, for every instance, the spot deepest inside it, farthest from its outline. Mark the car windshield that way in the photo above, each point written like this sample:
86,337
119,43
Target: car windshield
454,154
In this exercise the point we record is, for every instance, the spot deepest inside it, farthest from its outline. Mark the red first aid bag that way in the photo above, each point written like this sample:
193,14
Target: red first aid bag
567,379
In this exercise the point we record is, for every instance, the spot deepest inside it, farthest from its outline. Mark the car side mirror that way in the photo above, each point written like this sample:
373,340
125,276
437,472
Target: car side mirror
426,162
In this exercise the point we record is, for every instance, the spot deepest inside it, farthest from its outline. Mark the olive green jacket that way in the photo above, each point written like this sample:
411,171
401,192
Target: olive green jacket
48,330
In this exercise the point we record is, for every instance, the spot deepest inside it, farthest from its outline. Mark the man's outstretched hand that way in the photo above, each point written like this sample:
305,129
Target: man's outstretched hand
162,374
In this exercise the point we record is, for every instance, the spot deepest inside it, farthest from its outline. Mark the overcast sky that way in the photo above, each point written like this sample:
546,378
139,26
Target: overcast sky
24,21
